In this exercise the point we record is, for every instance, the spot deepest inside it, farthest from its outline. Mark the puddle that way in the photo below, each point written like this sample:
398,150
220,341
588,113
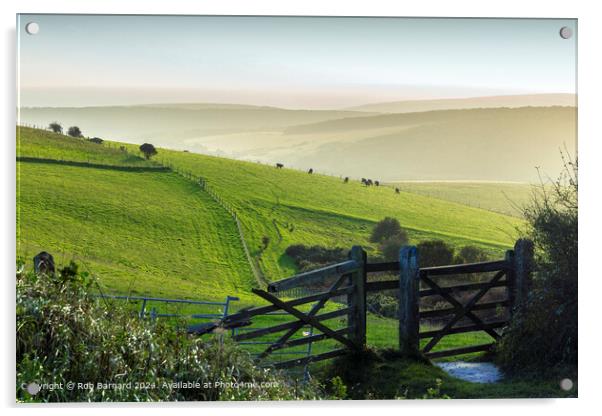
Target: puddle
473,372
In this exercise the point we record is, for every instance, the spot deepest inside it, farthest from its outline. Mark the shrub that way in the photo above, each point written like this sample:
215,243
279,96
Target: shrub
435,253
471,254
56,127
383,305
543,334
74,131
390,246
148,150
313,257
64,334
386,228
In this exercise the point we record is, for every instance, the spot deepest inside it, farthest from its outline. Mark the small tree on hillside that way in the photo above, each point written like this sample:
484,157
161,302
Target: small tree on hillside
390,246
385,228
74,131
148,150
56,127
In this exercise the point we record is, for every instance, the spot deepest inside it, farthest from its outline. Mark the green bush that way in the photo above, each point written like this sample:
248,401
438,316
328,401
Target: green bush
386,228
543,333
64,334
435,253
313,257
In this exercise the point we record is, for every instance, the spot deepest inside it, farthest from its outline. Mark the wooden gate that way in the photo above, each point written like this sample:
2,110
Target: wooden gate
349,280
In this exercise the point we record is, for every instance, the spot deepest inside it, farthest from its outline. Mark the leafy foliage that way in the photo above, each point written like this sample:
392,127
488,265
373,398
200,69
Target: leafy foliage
314,257
148,150
386,228
74,131
435,253
55,127
547,322
64,334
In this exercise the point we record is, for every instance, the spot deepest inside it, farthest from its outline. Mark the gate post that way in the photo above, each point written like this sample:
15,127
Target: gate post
357,300
409,296
523,268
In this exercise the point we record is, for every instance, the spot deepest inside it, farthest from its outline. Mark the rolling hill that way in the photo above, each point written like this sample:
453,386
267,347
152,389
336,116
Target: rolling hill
498,101
158,233
460,139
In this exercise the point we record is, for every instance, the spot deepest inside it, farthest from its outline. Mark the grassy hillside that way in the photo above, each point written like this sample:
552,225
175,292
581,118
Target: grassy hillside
140,232
484,144
291,207
505,198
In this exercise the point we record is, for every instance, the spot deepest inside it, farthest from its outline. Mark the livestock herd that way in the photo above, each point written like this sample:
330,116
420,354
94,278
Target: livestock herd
365,182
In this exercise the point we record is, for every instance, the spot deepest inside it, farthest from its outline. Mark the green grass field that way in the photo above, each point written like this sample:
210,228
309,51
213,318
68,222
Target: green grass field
293,207
159,234
504,198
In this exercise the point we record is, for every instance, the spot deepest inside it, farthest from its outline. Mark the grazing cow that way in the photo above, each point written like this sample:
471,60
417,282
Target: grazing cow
377,183
43,263
279,165
369,182
364,181
346,179
310,171
396,190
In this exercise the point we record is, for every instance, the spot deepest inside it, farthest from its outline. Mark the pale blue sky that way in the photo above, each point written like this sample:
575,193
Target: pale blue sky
80,60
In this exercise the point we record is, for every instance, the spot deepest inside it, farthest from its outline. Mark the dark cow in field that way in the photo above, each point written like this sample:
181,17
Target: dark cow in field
310,171
43,263
279,165
346,179
363,181
396,190
369,182
377,183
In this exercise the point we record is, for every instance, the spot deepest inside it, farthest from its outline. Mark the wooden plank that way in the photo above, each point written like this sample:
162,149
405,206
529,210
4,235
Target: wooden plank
523,266
488,266
382,267
314,310
463,329
464,311
313,276
382,285
459,351
459,307
263,310
312,359
409,279
282,327
448,311
461,288
358,279
310,339
307,319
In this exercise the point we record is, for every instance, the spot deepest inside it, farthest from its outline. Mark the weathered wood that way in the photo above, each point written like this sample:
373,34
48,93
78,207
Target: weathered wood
511,278
458,305
310,339
382,267
358,280
463,329
436,313
461,288
488,266
523,267
313,276
382,285
314,310
307,319
464,312
262,310
282,327
408,299
459,351
312,359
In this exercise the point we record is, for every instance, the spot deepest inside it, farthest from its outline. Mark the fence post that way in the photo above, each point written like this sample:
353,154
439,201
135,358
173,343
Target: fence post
357,300
511,278
409,297
523,268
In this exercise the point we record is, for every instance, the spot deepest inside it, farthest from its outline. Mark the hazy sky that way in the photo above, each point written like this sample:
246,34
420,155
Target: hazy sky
287,61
